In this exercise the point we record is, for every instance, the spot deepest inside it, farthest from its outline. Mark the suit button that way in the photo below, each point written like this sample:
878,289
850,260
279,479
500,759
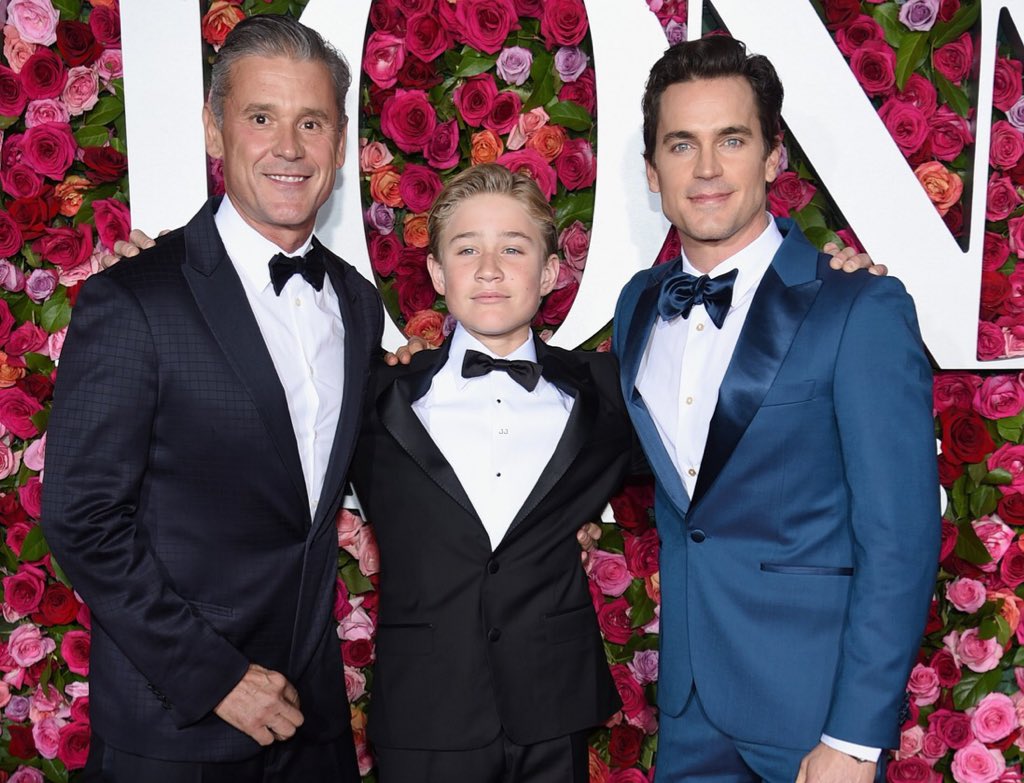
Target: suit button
493,567
494,634
697,536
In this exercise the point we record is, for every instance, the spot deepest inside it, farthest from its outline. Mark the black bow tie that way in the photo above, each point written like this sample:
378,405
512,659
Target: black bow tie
680,291
526,374
310,266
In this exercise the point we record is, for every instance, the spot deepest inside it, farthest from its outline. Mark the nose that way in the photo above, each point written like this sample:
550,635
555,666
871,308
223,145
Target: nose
489,267
708,165
288,144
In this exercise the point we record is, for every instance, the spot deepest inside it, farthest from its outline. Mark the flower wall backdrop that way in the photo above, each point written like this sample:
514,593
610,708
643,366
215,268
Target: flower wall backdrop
445,85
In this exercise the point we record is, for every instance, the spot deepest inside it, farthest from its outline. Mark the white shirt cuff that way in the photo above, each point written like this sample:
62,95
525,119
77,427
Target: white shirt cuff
860,752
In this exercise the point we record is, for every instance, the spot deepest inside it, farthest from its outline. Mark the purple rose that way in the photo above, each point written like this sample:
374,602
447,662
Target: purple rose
381,217
40,284
11,278
675,32
645,666
514,64
17,709
919,15
570,62
1015,114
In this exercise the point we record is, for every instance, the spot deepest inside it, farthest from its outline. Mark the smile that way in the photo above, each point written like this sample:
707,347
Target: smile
287,178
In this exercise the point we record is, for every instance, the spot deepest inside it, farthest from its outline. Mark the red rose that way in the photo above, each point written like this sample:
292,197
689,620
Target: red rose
485,24
387,16
12,94
948,9
624,745
788,193
73,744
946,668
408,119
22,746
113,221
80,709
10,236
43,75
38,386
419,187
531,8
20,181
74,649
920,92
358,652
953,728
1011,509
442,151
418,75
16,410
532,164
582,92
475,97
1011,568
105,24
412,282
839,13
426,37
106,164
65,247
632,508
384,253
59,606
874,65
994,290
1007,145
564,22
613,618
1015,229
24,590
50,149
954,60
31,496
949,133
851,37
31,215
1007,87
576,166
28,337
1002,199
557,304
906,124
995,252
504,112
965,437
77,44
912,769
642,553
949,470
632,695
427,325
383,57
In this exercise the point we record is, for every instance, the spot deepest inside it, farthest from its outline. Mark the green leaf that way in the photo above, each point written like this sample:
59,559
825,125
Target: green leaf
611,539
542,72
641,609
964,19
354,579
977,472
984,500
6,122
819,236
54,771
954,96
809,217
571,115
24,309
1018,657
1011,428
988,628
69,9
40,419
969,546
56,312
34,547
958,495
92,136
576,206
974,687
36,362
105,111
474,62
59,572
910,56
999,476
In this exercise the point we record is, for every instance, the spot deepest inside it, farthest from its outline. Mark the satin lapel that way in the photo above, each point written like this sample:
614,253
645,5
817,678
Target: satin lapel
394,407
577,382
222,301
356,367
774,318
644,315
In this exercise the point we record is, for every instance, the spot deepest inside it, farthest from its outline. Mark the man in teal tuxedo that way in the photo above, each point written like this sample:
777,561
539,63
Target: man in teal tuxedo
785,409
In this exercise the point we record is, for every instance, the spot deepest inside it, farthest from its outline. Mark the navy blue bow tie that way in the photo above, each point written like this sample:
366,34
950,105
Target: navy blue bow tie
523,372
310,266
680,291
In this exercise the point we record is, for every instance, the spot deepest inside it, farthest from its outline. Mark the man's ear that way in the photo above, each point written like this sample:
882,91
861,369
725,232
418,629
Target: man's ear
549,275
212,134
653,184
341,145
436,273
771,164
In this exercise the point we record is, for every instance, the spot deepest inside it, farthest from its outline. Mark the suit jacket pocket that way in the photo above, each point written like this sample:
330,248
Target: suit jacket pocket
570,624
799,570
789,393
208,609
405,639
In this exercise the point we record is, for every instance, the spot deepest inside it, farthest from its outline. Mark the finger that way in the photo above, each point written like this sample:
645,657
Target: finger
262,735
289,713
390,359
593,530
141,238
281,729
830,247
878,269
586,541
291,695
125,249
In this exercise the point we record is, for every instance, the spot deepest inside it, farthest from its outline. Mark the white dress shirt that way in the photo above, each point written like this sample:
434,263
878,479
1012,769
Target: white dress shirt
682,370
304,334
497,436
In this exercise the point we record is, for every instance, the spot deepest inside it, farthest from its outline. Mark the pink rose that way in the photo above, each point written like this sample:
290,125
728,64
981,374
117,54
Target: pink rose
355,683
932,747
485,24
577,165
73,748
16,410
977,764
530,163
999,396
349,525
367,552
81,91
110,66
475,97
374,156
1007,83
27,645
24,590
920,92
1006,146
12,94
613,619
994,718
74,649
923,685
954,390
113,221
408,119
906,124
105,23
419,187
49,149
46,110
30,494
35,20
967,595
357,625
55,343
27,338
630,692
1002,198
383,58
564,22
574,242
874,65
609,571
442,150
1009,457
36,453
527,124
995,535
954,60
46,735
27,775
16,50
911,740
8,461
979,655
949,133
789,193
952,728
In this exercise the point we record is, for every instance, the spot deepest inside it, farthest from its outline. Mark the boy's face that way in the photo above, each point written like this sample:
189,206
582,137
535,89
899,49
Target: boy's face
493,270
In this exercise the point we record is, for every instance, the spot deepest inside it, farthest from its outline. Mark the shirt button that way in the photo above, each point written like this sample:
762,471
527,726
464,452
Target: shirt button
494,634
692,472
493,567
689,400
697,536
700,327
298,302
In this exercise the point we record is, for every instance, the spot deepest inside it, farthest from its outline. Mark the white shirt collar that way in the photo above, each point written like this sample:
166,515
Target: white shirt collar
248,249
463,341
752,262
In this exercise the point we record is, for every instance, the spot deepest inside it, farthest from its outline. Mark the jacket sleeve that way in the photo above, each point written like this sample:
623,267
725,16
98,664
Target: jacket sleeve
98,442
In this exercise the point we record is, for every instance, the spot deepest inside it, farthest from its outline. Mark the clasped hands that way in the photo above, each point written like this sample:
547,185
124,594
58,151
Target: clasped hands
263,705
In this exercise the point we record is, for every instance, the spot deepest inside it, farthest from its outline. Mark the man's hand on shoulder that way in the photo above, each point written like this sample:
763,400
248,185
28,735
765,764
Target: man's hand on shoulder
404,354
587,536
263,705
138,240
849,260
828,765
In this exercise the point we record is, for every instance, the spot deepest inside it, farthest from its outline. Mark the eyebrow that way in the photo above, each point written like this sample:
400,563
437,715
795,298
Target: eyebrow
684,135
503,235
268,107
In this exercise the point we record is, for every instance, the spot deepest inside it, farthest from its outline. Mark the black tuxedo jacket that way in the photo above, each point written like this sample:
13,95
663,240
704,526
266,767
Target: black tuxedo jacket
174,499
471,641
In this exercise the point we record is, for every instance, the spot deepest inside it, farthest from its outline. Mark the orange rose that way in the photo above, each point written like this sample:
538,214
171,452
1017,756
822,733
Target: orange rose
384,187
414,230
427,324
1010,606
220,20
9,375
485,147
943,186
547,141
104,3
69,194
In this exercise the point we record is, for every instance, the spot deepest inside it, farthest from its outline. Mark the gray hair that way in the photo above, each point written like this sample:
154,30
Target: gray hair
276,35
